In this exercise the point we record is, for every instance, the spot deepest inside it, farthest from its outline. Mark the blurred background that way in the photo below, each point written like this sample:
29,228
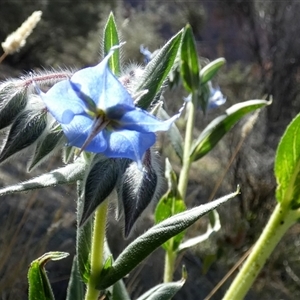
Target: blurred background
260,41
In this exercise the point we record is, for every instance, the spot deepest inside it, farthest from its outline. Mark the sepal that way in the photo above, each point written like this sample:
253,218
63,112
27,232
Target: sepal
98,184
138,188
25,130
13,100
49,144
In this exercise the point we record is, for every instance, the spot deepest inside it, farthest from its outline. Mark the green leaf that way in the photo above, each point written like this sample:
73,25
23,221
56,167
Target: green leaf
68,154
165,291
209,71
39,285
202,98
75,287
13,100
25,130
54,140
157,70
189,61
119,291
98,184
141,247
66,175
221,125
203,237
287,166
169,205
111,38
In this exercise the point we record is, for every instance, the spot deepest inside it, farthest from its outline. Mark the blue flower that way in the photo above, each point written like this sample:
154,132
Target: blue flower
147,54
216,98
97,114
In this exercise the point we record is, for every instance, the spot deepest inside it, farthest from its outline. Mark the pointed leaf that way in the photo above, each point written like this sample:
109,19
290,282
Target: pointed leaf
157,70
111,38
169,205
25,130
119,291
54,140
75,287
12,101
165,291
202,98
68,154
39,285
287,166
203,237
189,68
99,183
140,248
221,125
210,70
66,175
138,188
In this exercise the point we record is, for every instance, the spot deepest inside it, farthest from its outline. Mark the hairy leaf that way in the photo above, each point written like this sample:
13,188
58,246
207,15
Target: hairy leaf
157,70
99,183
13,100
203,237
25,130
137,188
221,125
66,175
48,144
169,205
141,247
165,291
68,154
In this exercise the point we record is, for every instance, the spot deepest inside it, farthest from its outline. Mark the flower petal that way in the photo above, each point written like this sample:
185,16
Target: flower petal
141,121
128,144
216,99
62,102
78,131
99,84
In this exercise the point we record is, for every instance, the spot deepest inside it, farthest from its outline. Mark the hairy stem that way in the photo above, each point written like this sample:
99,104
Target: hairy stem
281,220
97,250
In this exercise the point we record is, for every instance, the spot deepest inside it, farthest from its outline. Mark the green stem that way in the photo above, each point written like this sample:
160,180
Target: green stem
170,258
280,221
97,251
184,173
